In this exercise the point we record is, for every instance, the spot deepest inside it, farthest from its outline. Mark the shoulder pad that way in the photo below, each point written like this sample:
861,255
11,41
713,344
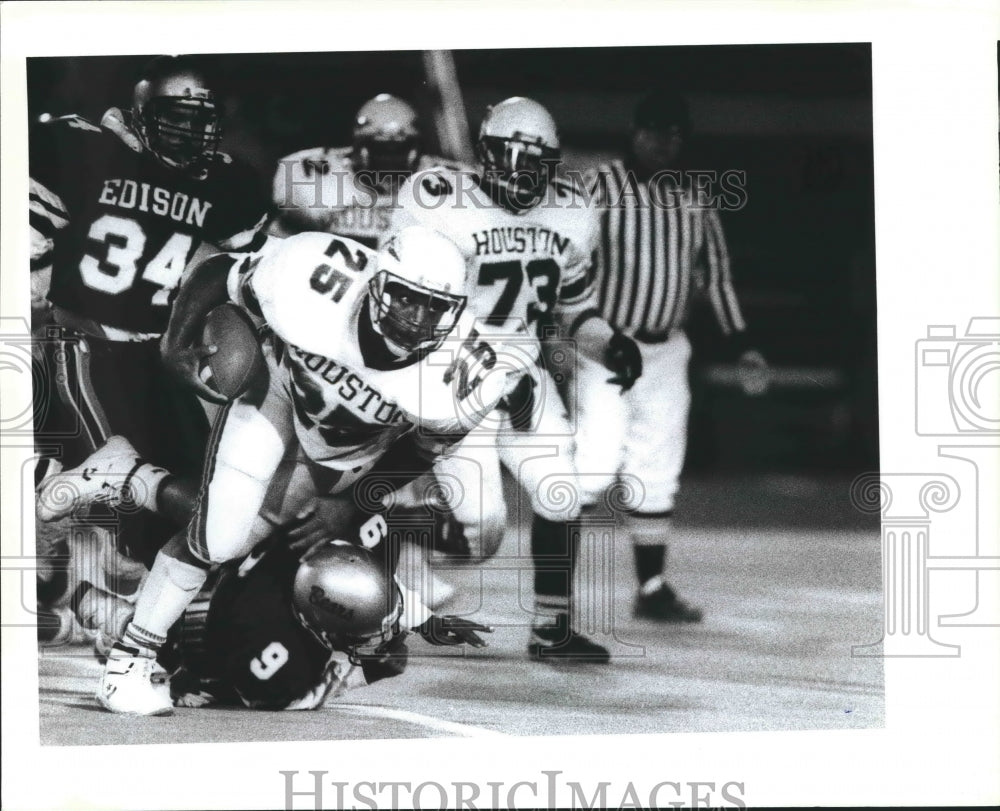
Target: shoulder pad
565,188
437,182
77,122
443,165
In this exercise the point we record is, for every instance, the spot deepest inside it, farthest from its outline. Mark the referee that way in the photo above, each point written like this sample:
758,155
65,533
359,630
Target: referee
659,253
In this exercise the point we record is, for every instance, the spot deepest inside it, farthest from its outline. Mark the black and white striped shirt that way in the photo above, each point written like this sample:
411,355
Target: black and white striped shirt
657,254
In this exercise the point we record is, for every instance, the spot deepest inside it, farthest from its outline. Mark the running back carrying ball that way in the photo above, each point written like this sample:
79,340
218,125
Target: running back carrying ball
239,360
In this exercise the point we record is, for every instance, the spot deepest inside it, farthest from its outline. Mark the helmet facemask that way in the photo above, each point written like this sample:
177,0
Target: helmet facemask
516,170
182,132
409,316
391,155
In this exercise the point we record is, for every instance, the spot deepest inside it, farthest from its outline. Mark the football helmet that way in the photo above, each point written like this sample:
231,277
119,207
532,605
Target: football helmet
518,148
175,113
418,292
386,135
345,597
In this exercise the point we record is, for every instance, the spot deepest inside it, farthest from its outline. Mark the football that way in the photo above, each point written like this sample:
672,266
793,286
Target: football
239,360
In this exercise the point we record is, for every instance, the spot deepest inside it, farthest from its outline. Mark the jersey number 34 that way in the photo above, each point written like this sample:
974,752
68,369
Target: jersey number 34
120,243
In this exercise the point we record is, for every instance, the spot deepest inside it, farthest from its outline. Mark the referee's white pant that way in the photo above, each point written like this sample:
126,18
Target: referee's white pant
640,434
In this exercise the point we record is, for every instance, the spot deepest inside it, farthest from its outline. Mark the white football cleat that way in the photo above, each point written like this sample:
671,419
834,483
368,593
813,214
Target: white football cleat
101,477
134,684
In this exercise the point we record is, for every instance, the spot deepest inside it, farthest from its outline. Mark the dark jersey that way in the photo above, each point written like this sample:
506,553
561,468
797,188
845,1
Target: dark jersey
119,227
249,648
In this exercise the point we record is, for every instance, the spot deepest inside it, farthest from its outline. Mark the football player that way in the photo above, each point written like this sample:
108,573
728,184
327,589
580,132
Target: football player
528,239
361,394
351,190
117,211
274,632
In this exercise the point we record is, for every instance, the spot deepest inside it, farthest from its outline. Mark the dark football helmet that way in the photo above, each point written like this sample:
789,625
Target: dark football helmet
345,597
386,135
175,113
518,149
418,293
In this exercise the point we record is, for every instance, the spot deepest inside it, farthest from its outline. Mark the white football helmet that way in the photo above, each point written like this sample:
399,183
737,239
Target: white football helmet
386,135
175,114
418,293
518,148
345,597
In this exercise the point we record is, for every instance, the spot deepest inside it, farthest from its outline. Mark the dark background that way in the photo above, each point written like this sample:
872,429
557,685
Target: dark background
796,118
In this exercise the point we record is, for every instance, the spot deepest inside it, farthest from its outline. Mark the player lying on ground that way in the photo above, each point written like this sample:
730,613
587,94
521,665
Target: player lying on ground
359,397
272,632
528,240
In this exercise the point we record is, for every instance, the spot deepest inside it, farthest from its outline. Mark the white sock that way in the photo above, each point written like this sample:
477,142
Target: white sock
144,481
170,587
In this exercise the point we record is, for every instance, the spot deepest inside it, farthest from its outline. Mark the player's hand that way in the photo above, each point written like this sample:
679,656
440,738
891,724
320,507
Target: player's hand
450,630
186,365
623,357
753,373
315,524
387,660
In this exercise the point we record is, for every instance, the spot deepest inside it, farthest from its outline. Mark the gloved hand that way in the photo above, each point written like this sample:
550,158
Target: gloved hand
623,357
754,373
316,523
387,660
450,630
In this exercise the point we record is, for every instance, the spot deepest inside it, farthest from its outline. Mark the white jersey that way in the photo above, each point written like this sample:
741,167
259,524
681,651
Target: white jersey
320,189
522,266
351,398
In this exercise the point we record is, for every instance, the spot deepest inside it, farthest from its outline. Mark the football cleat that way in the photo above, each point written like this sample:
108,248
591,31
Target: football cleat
100,478
134,684
557,644
663,605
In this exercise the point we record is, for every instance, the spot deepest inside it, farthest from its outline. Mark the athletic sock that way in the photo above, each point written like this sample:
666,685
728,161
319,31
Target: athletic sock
169,589
143,483
650,533
553,550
